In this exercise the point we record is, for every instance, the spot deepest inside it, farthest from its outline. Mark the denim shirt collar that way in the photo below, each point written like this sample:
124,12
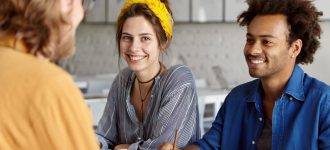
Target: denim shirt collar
294,87
255,92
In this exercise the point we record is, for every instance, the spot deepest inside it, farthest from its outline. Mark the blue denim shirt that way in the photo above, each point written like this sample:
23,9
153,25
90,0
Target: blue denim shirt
300,120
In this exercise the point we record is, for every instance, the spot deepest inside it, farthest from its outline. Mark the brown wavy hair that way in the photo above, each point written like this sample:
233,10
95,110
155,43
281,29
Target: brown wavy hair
140,9
302,17
36,22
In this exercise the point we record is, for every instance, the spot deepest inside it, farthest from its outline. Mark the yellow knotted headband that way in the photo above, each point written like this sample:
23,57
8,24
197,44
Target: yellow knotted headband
159,9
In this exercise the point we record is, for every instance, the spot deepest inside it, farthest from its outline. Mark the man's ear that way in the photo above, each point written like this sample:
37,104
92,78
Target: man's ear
296,47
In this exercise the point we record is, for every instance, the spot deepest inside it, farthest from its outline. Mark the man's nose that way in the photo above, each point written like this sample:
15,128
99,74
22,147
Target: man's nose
255,48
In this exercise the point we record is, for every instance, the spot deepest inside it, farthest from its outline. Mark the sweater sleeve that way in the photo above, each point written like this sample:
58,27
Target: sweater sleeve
60,117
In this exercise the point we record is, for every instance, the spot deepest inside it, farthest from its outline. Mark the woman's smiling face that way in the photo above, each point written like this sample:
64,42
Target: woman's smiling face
139,45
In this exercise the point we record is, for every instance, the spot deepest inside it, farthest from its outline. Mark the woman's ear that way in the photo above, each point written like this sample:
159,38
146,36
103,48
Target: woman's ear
166,44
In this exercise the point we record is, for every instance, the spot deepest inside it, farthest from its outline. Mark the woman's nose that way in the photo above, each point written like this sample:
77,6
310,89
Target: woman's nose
135,45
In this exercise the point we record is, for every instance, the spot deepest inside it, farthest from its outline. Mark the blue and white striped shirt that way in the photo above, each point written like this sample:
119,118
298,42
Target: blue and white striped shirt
172,106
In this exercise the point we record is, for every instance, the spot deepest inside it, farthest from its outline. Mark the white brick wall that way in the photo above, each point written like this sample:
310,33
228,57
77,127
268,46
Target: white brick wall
214,52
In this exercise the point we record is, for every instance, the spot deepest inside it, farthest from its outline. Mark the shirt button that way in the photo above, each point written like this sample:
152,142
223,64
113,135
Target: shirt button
260,119
290,98
253,142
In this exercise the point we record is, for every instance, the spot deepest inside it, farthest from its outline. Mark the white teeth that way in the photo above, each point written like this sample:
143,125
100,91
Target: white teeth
257,61
135,57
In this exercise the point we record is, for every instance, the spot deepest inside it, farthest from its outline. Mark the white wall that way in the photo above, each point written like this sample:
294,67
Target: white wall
320,68
214,52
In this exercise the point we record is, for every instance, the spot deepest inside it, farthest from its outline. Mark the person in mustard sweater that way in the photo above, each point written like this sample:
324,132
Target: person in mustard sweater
40,106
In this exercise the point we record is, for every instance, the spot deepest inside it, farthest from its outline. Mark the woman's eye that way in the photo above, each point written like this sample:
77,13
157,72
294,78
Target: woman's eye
126,38
146,38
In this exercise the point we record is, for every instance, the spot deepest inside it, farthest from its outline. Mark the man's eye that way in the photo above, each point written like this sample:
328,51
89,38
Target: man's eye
267,43
249,41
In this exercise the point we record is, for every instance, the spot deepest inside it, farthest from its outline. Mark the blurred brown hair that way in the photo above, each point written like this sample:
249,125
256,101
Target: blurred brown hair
302,17
37,23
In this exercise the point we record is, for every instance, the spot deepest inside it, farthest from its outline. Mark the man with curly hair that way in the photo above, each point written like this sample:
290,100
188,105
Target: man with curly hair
40,106
284,108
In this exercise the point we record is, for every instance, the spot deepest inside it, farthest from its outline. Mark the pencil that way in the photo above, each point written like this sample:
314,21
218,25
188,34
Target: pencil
175,139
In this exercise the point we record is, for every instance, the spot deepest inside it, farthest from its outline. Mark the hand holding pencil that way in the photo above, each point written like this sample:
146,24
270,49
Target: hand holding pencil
175,140
169,146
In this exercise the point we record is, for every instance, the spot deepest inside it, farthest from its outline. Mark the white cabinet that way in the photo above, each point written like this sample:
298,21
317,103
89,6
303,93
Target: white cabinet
114,7
180,9
189,10
98,13
207,10
96,107
209,103
233,8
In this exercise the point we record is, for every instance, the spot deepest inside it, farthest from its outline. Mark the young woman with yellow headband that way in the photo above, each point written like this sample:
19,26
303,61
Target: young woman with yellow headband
147,102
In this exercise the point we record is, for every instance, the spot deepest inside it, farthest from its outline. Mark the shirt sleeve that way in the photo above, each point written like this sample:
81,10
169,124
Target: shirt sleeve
324,129
212,138
178,111
60,118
